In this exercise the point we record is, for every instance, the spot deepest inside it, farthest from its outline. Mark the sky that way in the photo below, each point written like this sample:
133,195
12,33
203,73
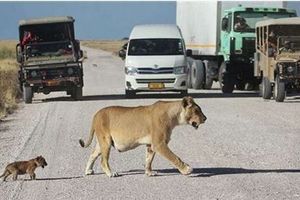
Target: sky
94,20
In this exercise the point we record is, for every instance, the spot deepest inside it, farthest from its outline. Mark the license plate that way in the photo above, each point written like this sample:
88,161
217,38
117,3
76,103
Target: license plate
52,83
156,85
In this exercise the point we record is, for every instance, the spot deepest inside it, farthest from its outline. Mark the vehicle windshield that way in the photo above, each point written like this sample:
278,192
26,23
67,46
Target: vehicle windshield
289,44
245,21
162,46
48,49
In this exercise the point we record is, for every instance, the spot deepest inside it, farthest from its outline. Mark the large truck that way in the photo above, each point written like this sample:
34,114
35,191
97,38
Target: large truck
220,38
49,57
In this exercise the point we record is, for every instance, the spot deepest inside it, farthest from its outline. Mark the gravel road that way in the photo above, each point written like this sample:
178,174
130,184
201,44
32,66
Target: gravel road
247,149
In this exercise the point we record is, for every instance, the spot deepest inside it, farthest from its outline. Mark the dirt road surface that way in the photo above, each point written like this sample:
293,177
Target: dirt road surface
247,149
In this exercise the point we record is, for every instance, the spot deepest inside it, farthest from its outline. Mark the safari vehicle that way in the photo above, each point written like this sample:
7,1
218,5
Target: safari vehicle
278,64
49,57
155,60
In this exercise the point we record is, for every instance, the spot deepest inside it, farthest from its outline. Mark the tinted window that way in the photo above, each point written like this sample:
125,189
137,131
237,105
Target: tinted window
141,47
249,19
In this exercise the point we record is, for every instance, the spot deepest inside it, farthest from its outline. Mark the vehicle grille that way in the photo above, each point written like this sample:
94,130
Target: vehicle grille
168,80
248,46
167,70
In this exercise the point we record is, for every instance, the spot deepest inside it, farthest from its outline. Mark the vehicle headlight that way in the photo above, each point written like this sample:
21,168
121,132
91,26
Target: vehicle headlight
33,74
130,70
70,71
179,70
290,69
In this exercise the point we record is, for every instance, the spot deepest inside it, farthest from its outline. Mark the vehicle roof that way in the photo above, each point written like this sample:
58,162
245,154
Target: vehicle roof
280,21
260,9
46,20
155,31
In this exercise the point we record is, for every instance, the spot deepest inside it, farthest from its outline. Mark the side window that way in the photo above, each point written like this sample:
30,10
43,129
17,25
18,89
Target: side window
229,22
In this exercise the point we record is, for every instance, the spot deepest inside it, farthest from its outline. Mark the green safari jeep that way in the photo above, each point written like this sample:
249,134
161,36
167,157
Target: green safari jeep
49,57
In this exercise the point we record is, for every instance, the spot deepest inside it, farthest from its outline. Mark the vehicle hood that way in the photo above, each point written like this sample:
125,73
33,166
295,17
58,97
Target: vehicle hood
49,60
155,61
289,57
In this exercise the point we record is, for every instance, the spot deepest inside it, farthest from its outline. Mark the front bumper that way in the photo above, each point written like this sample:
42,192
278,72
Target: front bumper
65,81
170,82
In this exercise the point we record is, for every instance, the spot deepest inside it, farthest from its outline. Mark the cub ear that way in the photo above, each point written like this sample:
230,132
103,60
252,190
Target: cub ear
187,101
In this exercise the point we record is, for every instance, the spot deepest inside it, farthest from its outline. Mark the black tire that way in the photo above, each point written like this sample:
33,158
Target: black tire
189,74
208,79
77,93
240,86
27,94
225,80
266,88
130,94
197,74
279,90
208,82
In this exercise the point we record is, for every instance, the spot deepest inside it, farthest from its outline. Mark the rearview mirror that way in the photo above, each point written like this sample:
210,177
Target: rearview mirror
122,54
19,53
224,24
189,52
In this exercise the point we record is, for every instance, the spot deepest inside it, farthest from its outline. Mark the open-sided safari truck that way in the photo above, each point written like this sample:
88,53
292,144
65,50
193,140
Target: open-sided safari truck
277,57
49,57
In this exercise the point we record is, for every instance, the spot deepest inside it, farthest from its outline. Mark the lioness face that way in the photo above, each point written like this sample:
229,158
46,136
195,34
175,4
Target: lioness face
42,161
193,113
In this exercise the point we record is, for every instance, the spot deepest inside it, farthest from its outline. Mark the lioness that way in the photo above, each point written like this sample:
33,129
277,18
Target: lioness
23,167
126,128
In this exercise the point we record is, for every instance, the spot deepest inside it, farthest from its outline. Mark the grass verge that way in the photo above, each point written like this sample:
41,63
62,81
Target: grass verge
9,90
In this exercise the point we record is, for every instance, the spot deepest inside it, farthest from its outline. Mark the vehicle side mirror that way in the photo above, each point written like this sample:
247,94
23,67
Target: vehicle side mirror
224,24
19,54
80,54
122,54
189,52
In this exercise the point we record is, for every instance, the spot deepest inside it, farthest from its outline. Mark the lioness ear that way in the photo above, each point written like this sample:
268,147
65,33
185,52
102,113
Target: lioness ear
187,101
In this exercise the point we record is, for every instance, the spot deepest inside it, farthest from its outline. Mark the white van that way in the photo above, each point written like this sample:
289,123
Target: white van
155,60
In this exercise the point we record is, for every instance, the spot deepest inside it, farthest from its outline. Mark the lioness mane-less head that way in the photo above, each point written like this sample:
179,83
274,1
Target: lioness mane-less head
192,112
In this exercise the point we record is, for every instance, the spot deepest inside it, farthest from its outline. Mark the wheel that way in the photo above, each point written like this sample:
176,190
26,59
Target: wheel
266,88
197,74
183,93
27,94
240,86
225,80
208,82
77,93
189,74
208,79
279,90
130,94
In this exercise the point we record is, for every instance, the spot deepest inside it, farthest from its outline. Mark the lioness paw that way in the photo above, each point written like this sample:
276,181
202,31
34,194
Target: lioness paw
150,173
187,170
114,174
89,172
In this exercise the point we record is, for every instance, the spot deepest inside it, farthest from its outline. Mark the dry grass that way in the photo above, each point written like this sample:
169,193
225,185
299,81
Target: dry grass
107,45
9,89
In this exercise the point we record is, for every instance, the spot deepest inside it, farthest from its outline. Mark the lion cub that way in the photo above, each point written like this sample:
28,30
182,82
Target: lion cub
23,167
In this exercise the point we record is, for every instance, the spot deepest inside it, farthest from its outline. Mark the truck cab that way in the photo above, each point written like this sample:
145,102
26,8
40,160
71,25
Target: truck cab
49,57
237,44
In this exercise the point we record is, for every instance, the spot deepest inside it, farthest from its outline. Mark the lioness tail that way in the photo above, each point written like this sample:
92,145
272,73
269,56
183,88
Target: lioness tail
81,142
